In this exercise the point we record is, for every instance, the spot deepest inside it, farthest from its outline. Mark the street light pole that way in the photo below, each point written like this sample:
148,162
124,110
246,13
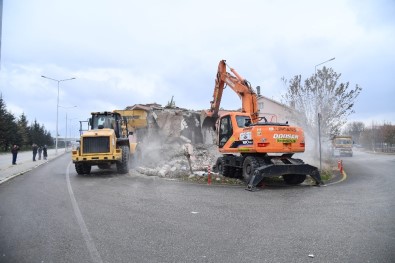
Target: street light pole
67,120
57,109
315,68
319,114
319,137
65,137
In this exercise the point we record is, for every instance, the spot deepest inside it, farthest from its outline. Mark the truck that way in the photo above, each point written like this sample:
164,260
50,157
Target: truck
342,145
110,139
251,146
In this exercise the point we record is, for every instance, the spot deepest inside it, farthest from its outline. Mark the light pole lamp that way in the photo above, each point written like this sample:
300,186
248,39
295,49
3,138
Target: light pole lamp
315,68
57,109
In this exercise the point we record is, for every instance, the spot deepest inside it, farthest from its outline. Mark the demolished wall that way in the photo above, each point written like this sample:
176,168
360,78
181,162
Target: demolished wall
173,135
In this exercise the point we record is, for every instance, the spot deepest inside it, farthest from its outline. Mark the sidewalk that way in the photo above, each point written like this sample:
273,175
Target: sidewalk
24,163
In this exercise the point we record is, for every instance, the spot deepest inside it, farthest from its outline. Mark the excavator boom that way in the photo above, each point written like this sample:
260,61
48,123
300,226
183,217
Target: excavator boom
239,85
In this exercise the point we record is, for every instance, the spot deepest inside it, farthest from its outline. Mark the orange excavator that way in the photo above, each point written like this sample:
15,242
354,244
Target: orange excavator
251,146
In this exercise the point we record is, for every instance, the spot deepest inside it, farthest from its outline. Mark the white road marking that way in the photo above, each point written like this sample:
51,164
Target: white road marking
95,256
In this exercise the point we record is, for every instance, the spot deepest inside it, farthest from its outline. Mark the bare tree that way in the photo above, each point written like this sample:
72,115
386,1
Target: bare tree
321,93
355,130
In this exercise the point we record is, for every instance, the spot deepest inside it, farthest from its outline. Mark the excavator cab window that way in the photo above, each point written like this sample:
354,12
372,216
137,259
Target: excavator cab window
243,121
225,130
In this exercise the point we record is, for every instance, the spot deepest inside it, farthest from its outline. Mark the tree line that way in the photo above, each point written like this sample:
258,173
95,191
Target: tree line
16,130
375,137
322,102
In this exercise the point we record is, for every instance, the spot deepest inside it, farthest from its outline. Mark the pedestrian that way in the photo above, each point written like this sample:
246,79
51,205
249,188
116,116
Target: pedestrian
40,150
45,154
14,151
35,147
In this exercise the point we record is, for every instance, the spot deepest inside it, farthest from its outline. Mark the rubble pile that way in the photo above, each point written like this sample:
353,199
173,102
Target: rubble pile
173,145
171,160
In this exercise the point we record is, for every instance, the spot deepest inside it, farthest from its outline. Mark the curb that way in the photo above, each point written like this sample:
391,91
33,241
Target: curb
27,170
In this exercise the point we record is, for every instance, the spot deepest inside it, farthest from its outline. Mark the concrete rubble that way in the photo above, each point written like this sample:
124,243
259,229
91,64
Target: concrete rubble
173,144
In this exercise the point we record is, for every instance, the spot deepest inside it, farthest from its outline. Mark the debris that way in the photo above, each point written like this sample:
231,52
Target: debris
172,146
311,256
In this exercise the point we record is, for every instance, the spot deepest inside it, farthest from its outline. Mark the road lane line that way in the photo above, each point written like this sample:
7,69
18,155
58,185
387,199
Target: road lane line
95,256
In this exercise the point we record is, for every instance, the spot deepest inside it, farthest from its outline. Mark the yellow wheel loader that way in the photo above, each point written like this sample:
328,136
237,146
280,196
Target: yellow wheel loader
110,140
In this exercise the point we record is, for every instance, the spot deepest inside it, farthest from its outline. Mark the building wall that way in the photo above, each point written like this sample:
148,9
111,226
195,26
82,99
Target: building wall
273,111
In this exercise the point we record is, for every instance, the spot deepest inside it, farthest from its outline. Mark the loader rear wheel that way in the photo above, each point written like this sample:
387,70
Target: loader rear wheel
83,168
123,166
294,179
250,164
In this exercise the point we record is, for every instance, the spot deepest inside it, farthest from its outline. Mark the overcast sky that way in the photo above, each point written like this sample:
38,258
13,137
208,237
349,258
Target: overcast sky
124,52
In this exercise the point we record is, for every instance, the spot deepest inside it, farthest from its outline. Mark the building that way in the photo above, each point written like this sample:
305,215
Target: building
274,111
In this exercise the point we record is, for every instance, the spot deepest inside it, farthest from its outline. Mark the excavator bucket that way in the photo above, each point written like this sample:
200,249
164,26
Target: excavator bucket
208,127
207,120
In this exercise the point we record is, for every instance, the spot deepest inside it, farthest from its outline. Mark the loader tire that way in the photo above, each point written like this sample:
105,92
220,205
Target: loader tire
123,166
83,168
294,179
250,164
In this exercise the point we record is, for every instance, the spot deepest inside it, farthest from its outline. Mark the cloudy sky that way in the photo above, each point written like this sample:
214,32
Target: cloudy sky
124,52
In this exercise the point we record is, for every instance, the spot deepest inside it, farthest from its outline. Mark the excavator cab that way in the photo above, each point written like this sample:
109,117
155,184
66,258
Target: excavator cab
225,130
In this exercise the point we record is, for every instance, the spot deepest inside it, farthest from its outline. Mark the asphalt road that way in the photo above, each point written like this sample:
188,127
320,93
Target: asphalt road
53,215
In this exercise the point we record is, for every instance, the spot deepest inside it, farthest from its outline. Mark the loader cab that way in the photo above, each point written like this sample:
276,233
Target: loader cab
106,120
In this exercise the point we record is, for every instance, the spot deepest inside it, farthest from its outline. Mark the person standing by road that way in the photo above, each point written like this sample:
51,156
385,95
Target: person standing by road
14,152
45,154
34,146
40,150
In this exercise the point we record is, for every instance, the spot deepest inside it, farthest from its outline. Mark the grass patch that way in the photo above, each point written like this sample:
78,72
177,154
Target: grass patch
326,175
215,179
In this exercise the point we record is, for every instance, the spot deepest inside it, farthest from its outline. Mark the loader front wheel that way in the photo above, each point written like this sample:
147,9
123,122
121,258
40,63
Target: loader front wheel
294,179
250,164
83,168
123,165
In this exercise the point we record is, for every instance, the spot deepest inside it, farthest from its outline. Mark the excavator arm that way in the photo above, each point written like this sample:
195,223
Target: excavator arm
239,85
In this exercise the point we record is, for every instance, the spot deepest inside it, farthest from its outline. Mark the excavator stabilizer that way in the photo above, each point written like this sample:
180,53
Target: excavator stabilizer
293,172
